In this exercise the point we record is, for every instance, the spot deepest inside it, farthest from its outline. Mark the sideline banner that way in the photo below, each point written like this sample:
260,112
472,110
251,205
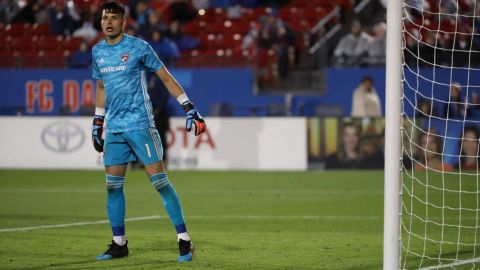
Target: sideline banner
230,143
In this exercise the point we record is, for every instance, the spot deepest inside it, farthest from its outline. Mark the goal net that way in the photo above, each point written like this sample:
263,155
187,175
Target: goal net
440,109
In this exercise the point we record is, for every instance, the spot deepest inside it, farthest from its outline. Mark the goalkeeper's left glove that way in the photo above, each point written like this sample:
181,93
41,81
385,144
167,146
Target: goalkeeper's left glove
97,129
194,118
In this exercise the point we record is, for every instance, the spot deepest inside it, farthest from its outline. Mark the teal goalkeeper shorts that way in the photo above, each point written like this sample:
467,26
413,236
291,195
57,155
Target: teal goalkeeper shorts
122,147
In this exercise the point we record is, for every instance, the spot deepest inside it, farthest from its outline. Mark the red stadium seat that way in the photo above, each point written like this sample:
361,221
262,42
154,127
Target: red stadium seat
29,59
24,43
6,43
50,43
54,59
18,29
72,43
240,26
8,59
40,30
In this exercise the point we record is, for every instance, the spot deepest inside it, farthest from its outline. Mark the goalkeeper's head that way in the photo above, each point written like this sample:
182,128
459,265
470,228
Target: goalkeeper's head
113,19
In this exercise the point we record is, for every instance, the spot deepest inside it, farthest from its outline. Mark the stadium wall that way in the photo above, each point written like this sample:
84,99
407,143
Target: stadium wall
43,92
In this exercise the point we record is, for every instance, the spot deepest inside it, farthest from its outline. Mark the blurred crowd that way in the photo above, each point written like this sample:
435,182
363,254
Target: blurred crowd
160,22
442,32
430,27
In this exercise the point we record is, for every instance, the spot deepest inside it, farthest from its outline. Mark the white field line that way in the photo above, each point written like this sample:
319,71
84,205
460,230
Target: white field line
85,223
474,260
251,217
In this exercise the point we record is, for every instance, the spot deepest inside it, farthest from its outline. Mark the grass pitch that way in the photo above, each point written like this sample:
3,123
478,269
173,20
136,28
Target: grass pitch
237,220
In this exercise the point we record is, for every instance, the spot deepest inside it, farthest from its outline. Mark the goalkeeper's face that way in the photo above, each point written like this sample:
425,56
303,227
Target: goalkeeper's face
112,24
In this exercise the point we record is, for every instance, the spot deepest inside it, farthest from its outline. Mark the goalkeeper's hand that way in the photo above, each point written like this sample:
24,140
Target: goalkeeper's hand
194,118
97,129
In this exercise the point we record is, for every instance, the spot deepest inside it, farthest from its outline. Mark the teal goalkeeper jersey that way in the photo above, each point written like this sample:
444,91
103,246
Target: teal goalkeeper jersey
123,68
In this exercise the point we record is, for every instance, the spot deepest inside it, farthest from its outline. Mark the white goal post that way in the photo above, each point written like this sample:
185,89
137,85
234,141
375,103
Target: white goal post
391,225
432,156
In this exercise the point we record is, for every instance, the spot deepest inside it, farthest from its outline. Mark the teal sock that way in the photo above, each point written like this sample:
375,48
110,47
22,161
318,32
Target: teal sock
116,204
170,199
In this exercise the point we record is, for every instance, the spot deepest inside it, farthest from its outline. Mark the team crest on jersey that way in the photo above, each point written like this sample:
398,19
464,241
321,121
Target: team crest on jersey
124,57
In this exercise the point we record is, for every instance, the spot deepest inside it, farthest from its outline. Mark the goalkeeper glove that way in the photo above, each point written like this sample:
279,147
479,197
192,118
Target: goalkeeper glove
194,118
97,129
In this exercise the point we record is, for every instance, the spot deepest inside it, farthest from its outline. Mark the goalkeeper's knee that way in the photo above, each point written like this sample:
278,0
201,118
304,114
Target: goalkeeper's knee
159,181
114,182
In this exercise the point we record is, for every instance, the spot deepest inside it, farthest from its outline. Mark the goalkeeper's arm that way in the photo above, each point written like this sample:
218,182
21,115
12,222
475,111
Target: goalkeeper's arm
98,119
174,88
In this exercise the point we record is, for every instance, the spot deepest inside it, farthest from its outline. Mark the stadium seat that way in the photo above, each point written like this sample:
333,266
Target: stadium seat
50,43
25,43
54,59
71,43
8,59
6,43
18,29
29,59
40,30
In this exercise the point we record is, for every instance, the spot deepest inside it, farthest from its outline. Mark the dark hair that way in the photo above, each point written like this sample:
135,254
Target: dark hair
113,7
367,78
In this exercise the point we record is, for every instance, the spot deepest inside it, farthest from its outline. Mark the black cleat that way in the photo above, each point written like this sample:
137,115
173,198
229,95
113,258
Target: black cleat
114,251
186,250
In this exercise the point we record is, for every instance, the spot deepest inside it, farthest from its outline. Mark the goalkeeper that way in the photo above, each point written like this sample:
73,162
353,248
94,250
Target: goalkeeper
120,64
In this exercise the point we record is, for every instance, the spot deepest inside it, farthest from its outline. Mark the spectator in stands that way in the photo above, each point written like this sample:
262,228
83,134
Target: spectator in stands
348,153
61,20
183,41
154,22
377,47
448,10
365,100
270,32
416,7
371,149
461,54
165,48
426,108
275,34
27,13
475,106
429,153
81,58
8,10
142,12
469,149
182,11
456,107
425,53
88,30
352,49
33,12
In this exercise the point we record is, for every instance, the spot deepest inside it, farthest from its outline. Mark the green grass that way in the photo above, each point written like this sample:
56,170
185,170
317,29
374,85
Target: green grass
238,220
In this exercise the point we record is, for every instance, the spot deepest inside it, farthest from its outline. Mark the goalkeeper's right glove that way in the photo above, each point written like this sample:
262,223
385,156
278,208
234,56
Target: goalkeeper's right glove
97,129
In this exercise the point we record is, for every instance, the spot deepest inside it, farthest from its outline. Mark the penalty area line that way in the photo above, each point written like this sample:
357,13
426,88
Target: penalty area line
252,217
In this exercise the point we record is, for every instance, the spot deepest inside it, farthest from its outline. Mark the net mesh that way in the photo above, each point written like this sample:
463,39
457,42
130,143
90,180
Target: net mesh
440,224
